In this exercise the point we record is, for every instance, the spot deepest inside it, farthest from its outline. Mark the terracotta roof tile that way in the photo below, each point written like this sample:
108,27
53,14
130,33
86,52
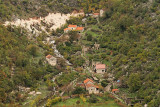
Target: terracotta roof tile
113,90
87,80
79,28
49,56
95,13
72,25
100,66
67,29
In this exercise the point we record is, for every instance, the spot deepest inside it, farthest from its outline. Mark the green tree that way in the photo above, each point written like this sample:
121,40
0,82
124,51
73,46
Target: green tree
137,105
79,90
104,83
134,82
89,37
33,50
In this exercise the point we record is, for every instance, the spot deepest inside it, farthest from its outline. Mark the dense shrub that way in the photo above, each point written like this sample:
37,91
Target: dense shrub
79,90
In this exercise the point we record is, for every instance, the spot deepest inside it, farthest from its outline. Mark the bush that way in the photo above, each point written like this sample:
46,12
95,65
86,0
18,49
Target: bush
53,101
104,83
89,37
33,50
105,98
93,99
79,90
77,102
137,105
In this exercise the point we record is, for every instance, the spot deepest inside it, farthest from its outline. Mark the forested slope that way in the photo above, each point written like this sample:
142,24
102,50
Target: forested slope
21,63
131,30
13,9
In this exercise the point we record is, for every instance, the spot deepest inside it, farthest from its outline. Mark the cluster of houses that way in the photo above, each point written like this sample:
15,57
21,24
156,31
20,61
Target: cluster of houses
73,28
81,29
90,86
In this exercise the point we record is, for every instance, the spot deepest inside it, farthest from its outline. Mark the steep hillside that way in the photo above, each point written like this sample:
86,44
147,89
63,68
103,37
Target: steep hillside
24,9
128,35
13,9
21,64
129,38
130,29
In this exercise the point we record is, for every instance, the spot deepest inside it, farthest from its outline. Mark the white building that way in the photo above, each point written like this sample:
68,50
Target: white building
100,68
102,13
51,60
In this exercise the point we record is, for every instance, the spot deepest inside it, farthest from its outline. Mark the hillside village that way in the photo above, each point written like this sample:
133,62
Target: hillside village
97,71
93,84
102,56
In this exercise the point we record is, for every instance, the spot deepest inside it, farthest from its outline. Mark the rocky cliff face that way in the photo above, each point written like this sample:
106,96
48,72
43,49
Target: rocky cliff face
38,24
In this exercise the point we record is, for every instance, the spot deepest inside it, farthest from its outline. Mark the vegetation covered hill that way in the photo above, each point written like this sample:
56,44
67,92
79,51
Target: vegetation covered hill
130,31
13,9
21,64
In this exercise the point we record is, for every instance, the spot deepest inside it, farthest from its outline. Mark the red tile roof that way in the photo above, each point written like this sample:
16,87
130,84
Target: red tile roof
67,29
95,13
49,56
72,25
100,66
113,90
87,80
79,28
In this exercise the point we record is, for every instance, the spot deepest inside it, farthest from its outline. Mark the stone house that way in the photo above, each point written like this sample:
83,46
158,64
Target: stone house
73,27
51,60
91,87
100,68
101,12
